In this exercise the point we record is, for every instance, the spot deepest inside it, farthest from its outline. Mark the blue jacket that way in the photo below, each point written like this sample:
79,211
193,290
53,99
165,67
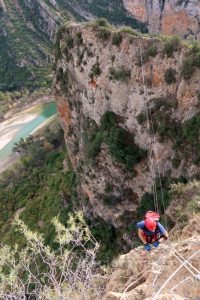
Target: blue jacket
159,229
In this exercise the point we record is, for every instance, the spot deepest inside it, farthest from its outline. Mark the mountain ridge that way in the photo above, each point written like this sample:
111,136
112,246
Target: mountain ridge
27,34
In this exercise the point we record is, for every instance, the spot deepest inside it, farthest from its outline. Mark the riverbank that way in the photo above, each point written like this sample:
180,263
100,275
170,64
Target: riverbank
19,122
20,107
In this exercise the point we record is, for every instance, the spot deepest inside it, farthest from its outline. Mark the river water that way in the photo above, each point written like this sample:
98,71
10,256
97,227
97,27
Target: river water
23,130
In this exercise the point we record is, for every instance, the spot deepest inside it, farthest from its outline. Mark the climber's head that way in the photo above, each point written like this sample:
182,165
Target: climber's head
150,223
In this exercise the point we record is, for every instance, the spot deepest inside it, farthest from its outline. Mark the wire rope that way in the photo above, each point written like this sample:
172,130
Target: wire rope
173,274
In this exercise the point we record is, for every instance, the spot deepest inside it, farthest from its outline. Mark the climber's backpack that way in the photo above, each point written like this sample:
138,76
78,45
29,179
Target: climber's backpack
153,215
156,217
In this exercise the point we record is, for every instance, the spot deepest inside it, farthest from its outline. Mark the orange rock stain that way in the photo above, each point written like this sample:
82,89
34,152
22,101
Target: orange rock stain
178,22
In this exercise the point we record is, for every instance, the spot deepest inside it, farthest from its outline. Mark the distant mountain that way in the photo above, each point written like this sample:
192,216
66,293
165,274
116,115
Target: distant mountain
27,31
179,17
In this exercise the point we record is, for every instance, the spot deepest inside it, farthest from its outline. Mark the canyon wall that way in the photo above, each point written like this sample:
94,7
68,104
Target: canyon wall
179,17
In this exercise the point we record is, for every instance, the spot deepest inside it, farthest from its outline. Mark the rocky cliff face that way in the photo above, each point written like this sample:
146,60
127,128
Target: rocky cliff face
162,274
180,17
139,276
101,103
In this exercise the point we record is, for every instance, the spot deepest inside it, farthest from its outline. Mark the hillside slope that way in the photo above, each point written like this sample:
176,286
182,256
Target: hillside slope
27,33
25,44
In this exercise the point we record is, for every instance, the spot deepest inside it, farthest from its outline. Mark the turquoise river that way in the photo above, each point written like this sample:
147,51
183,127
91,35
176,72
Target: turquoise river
25,129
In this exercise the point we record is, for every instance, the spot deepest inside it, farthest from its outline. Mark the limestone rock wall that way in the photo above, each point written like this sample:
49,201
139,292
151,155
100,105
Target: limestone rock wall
180,17
141,275
83,99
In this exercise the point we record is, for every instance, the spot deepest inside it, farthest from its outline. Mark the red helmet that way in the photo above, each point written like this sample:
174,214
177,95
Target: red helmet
150,223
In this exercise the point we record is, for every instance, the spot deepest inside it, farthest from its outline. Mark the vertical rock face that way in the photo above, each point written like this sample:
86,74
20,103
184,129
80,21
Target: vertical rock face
97,73
2,5
160,274
180,17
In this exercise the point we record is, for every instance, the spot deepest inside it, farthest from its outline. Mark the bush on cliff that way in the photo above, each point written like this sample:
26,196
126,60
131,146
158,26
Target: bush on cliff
38,272
191,62
170,76
123,149
120,74
117,38
171,45
120,142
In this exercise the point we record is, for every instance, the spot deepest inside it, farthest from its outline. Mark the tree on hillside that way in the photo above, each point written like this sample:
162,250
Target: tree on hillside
38,272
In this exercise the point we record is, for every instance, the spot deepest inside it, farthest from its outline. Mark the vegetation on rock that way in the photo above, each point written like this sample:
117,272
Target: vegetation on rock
117,38
121,74
69,271
171,45
39,189
120,142
191,62
170,76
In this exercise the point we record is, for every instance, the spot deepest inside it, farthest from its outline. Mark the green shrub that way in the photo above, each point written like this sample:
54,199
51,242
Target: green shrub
121,74
119,141
129,30
170,76
94,146
69,42
196,60
102,22
141,118
172,45
93,141
152,51
117,38
111,200
95,70
198,95
103,33
146,53
108,120
163,123
187,68
122,148
191,62
79,39
58,53
163,103
105,234
191,130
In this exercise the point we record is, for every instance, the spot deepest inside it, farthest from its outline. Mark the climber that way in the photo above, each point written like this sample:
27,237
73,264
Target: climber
150,231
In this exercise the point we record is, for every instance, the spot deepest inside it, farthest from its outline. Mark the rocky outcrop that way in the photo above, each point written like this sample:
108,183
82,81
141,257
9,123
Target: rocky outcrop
93,76
160,274
2,5
171,271
180,17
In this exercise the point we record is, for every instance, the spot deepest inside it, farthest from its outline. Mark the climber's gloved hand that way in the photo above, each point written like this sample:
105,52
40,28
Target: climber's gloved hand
147,247
156,244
